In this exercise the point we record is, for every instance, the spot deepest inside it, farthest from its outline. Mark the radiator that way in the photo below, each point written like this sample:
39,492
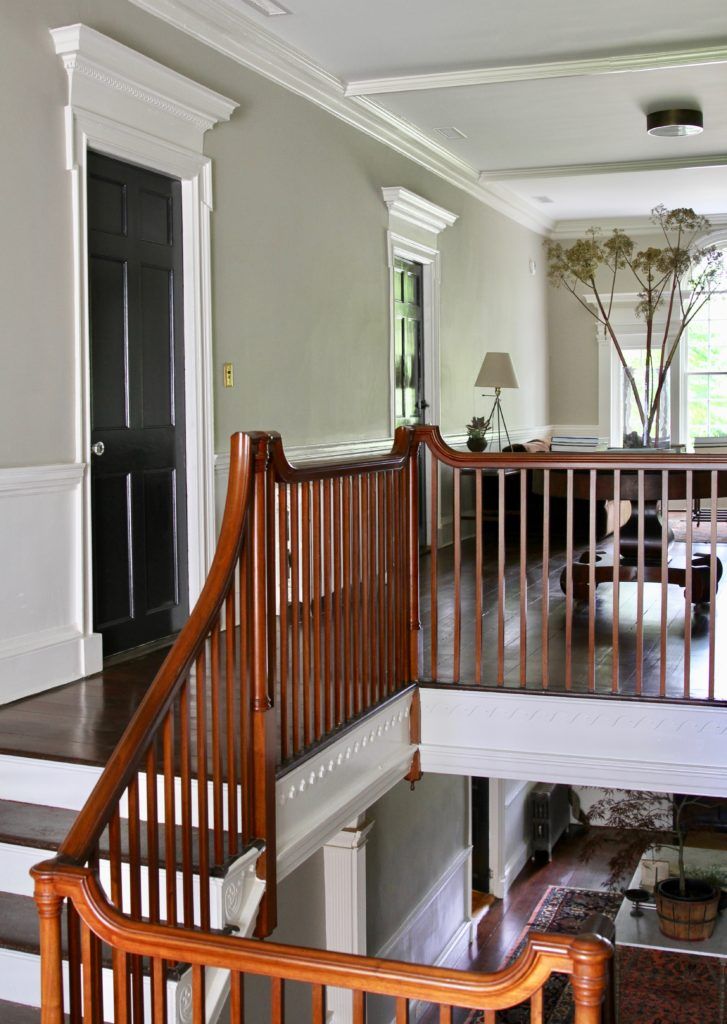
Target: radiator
549,816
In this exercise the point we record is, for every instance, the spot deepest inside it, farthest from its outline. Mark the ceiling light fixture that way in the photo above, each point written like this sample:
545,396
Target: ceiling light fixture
672,123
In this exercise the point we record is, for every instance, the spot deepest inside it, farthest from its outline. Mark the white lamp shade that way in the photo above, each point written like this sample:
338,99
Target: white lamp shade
497,372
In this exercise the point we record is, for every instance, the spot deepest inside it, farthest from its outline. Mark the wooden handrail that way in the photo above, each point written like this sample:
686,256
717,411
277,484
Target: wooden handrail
585,957
432,437
125,760
285,472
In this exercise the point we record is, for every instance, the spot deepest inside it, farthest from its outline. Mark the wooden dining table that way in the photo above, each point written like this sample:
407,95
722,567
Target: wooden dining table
659,555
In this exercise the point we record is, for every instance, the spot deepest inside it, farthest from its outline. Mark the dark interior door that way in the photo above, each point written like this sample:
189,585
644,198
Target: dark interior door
138,480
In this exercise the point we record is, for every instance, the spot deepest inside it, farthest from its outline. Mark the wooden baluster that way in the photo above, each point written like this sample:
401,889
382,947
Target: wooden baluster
295,616
348,670
664,623
390,609
615,610
317,573
186,794
328,709
402,1011
283,578
75,979
523,577
713,492
245,688
402,623
233,847
569,581
122,1006
479,576
237,998
372,643
536,1007
305,529
137,981
263,719
170,818
92,987
457,552
413,465
277,1001
202,809
640,585
117,897
592,581
318,1004
445,1015
489,1017
339,683
381,575
359,1007
152,833
365,606
49,906
545,613
500,577
199,1014
218,814
356,566
689,501
433,577
158,992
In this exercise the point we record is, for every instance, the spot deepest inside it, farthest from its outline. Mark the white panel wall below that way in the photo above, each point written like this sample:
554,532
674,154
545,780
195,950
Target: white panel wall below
42,640
648,745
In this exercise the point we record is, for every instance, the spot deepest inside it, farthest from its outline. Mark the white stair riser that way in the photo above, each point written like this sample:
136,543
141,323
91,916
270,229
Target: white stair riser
16,862
20,983
57,784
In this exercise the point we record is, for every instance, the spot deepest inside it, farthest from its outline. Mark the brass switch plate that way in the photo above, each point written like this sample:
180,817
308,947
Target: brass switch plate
228,375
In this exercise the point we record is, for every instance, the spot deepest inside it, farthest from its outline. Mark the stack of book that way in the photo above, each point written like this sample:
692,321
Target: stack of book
710,443
573,443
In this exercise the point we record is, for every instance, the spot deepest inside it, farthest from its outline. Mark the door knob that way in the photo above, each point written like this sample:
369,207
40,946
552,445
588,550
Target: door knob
98,448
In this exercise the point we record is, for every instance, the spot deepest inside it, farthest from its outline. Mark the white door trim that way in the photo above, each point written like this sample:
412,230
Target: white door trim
124,105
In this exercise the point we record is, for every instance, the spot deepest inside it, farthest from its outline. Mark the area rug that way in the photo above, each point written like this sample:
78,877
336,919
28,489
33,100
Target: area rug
701,534
561,910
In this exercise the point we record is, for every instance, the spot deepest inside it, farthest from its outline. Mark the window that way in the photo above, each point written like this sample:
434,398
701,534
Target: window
409,401
705,370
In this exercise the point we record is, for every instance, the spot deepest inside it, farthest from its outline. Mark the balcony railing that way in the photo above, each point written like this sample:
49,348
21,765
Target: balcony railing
312,615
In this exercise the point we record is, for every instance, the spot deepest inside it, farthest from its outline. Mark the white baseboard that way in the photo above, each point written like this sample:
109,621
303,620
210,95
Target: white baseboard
37,662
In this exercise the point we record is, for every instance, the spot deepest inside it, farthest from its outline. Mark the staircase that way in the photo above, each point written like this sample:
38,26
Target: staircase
31,831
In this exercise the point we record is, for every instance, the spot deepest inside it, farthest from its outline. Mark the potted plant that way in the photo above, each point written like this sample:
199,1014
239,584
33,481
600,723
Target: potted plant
686,904
673,282
477,433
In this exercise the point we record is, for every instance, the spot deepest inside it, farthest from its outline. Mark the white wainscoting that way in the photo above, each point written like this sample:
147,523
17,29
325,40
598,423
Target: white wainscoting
510,836
42,638
646,745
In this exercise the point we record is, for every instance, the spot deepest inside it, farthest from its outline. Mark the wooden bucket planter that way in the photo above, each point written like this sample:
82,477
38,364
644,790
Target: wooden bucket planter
692,916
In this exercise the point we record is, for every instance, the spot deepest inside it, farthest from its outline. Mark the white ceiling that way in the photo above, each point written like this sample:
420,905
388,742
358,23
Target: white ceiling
542,132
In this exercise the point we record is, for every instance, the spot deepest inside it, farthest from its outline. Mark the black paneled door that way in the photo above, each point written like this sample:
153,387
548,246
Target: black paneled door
138,481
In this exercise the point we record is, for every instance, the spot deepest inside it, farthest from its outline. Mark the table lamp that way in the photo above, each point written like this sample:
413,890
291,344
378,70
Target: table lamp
497,372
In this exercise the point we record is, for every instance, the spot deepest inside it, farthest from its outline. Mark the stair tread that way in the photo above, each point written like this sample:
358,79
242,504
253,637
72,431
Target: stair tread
23,824
16,1013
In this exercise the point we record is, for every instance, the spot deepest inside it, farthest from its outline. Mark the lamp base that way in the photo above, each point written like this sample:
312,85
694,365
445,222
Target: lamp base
496,415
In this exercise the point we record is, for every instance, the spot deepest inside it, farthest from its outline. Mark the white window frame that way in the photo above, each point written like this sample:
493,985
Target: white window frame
124,105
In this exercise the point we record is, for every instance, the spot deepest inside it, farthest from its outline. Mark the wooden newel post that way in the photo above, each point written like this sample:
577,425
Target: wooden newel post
591,959
263,712
51,977
413,559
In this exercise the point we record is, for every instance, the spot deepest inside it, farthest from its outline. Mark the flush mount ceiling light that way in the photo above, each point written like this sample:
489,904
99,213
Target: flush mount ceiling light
672,123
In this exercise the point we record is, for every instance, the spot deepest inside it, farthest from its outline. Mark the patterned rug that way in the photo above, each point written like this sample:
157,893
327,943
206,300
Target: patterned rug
560,910
701,534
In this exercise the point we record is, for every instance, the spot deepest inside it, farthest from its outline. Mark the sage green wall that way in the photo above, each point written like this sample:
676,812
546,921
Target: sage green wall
299,256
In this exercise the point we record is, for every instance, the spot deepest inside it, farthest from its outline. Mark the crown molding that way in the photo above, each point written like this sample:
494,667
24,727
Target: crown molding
634,226
528,72
414,209
617,167
223,28
98,64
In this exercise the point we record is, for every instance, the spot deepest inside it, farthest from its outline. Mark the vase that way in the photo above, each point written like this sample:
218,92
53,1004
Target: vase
476,444
655,430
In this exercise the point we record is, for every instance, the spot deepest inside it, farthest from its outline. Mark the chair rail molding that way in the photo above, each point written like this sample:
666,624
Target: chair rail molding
124,105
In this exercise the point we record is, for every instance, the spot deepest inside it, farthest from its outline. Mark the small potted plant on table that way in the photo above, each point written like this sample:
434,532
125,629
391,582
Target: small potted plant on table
686,906
477,433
